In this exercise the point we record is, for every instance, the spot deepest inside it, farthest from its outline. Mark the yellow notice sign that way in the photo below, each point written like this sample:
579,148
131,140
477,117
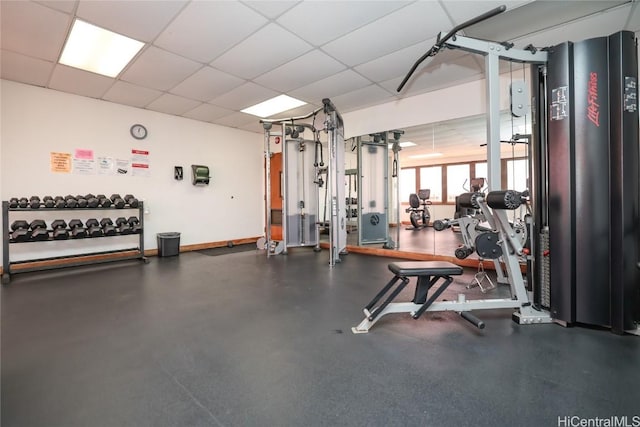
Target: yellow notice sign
61,162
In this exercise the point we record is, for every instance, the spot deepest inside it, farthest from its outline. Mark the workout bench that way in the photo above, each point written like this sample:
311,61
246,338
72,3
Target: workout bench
428,274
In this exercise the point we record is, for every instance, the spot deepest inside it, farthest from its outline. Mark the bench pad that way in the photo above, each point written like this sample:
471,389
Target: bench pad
425,268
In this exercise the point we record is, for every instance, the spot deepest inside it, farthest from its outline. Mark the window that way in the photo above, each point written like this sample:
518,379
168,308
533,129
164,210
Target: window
431,178
407,183
457,181
517,174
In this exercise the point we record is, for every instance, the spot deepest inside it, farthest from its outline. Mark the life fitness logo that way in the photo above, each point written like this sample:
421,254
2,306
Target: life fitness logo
593,108
277,140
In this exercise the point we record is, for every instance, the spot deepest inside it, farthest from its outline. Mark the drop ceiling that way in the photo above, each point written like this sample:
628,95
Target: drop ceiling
207,60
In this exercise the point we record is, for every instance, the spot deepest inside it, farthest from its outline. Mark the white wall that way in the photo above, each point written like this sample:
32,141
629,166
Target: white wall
37,121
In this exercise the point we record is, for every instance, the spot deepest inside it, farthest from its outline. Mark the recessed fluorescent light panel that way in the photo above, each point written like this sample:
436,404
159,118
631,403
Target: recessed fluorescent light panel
273,106
403,144
425,156
100,51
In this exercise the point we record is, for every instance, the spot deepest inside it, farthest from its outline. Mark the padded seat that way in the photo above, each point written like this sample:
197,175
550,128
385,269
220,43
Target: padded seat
424,268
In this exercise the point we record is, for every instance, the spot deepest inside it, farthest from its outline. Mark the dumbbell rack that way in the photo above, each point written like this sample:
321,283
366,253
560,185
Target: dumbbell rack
66,260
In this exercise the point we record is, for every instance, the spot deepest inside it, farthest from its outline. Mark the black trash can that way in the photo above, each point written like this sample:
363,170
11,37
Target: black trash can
168,244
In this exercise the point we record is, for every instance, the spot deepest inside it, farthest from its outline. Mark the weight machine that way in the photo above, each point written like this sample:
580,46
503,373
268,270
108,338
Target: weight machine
585,229
303,168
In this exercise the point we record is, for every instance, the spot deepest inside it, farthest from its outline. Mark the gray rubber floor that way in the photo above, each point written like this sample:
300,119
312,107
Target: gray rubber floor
242,340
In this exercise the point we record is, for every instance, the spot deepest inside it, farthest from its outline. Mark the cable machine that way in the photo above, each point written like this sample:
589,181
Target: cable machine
299,179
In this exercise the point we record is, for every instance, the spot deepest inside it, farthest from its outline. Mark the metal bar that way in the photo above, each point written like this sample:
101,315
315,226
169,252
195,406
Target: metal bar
5,238
492,74
441,41
290,119
383,291
141,220
285,193
267,168
433,297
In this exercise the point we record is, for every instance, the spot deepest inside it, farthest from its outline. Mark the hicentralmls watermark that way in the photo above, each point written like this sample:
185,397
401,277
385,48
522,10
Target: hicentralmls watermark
612,421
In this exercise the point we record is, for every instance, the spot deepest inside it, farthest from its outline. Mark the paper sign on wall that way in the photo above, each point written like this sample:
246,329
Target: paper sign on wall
60,162
140,163
83,162
106,166
123,166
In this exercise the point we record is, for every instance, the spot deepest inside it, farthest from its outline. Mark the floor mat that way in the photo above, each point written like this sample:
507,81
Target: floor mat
226,250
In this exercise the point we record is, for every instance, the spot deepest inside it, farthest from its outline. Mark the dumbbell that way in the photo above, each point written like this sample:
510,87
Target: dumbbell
48,202
13,202
123,226
34,202
23,202
107,227
463,252
39,230
20,231
82,202
77,229
59,227
70,201
92,201
93,228
134,223
59,202
131,201
117,201
104,201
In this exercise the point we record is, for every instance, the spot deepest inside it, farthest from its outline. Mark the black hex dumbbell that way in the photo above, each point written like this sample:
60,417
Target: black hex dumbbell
70,201
134,223
48,202
117,201
23,202
13,202
39,230
60,231
77,229
34,202
20,231
131,201
92,201
122,225
82,202
104,201
93,228
59,202
107,227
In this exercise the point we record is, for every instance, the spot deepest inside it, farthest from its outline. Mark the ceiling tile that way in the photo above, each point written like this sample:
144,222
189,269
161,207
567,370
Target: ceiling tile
463,10
598,25
396,63
303,70
319,22
73,80
244,96
25,69
334,85
417,22
236,120
32,29
130,94
205,29
207,112
206,84
361,98
271,9
535,16
140,20
253,127
172,104
250,58
66,6
458,71
159,69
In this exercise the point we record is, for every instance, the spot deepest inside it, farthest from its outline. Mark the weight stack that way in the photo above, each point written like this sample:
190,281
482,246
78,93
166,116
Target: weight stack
593,181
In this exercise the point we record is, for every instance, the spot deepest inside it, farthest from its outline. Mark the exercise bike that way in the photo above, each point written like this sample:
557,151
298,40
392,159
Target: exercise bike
418,209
